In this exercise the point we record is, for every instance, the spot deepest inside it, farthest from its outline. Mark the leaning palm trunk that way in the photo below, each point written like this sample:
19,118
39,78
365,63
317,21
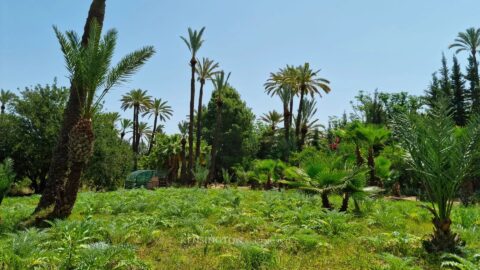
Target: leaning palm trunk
199,122
59,164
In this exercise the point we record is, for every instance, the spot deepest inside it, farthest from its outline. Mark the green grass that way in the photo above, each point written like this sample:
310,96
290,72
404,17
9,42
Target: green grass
224,229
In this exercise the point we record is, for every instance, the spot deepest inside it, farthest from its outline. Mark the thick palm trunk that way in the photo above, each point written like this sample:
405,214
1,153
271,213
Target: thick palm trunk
326,202
66,200
183,160
152,138
286,118
443,240
59,163
358,155
193,62
346,198
199,122
299,118
475,93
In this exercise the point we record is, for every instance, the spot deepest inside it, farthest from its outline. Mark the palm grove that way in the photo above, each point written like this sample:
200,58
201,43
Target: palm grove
392,143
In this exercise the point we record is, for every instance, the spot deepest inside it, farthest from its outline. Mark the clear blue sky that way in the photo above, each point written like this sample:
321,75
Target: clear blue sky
389,45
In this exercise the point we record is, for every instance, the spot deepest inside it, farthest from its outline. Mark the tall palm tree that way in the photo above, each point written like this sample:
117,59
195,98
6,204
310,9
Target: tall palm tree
5,98
272,118
92,75
59,163
309,122
144,133
220,82
160,111
140,102
205,70
194,42
124,125
470,41
308,84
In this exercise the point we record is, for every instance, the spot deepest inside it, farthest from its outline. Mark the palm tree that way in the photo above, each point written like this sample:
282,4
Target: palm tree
5,98
278,84
160,111
92,76
272,118
308,122
144,133
441,158
124,125
308,84
220,82
140,102
183,128
205,70
194,42
59,163
470,41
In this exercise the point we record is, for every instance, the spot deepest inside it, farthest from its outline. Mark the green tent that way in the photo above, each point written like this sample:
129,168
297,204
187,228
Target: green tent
139,178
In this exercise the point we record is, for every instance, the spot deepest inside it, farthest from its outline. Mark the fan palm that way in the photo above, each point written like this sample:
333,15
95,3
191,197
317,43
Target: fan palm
5,98
470,41
205,70
308,84
124,125
93,77
194,42
441,158
160,111
220,83
272,118
141,103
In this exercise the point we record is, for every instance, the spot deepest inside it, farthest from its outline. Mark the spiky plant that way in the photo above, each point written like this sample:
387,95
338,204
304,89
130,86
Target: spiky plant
160,111
90,72
125,124
441,158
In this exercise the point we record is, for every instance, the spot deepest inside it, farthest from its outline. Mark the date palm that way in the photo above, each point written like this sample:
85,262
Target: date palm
272,118
140,101
205,70
125,124
160,111
194,42
470,41
90,72
441,158
308,84
5,98
309,122
183,128
144,133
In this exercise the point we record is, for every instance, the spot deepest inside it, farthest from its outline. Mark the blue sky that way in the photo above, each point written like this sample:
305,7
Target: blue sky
389,45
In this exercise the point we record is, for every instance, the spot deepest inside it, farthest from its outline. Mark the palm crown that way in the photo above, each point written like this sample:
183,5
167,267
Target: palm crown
467,41
136,97
159,108
205,69
89,66
194,41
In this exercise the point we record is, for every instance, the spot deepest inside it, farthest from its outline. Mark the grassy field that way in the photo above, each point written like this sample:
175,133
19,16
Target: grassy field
224,229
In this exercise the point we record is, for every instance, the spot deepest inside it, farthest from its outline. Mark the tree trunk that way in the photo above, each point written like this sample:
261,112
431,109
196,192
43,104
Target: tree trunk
475,94
286,118
290,118
216,143
443,240
193,63
3,108
65,202
346,198
152,138
299,118
59,163
268,185
373,180
326,202
199,122
135,137
183,160
358,156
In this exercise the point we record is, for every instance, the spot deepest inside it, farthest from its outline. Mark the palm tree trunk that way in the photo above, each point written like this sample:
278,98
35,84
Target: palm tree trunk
443,240
286,118
326,202
59,164
199,122
346,198
3,108
152,138
373,179
193,62
216,143
475,94
135,137
290,118
183,160
358,155
299,118
65,202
